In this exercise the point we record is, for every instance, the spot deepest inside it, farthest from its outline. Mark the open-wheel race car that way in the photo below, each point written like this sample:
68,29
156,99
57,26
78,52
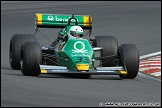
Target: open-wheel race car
71,53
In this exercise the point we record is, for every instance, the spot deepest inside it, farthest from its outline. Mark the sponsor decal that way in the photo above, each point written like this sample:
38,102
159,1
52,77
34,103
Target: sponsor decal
59,70
64,19
79,50
50,18
56,18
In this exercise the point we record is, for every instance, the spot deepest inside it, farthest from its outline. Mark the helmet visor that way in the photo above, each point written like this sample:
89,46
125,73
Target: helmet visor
76,34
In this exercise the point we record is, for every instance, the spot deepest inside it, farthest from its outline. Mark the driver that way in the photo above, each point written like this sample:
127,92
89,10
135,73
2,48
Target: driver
75,32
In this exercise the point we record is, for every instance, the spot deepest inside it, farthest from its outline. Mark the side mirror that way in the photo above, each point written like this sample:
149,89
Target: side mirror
60,37
93,40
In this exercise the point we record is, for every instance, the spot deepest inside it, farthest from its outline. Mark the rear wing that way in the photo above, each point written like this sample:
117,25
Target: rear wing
44,20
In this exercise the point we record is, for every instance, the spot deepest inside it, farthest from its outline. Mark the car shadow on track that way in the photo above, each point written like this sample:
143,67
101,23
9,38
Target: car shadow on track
6,68
60,76
92,77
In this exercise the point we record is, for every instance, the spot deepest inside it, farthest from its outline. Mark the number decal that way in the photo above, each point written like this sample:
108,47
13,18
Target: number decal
86,60
83,59
79,59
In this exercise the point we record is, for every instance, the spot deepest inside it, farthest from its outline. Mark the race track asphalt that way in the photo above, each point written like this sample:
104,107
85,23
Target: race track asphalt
137,22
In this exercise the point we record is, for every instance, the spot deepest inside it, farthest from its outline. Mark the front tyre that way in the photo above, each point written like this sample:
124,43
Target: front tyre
31,57
129,57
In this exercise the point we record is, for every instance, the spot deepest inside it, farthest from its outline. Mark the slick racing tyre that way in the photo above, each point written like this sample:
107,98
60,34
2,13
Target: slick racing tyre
15,45
129,58
110,47
31,57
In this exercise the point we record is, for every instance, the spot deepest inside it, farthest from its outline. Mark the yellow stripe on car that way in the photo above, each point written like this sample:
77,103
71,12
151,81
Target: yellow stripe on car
123,72
39,19
87,21
43,71
82,66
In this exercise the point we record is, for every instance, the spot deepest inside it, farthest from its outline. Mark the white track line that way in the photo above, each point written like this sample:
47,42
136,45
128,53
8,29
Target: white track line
147,56
150,55
156,73
148,76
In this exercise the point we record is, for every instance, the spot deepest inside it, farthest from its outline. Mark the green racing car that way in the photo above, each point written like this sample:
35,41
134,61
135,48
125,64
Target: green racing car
71,53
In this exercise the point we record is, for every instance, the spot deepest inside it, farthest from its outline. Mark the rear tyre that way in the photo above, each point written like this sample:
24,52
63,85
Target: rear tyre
15,45
129,55
110,47
31,57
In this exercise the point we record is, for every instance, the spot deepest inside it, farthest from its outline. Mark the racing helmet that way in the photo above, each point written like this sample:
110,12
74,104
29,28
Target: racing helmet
75,31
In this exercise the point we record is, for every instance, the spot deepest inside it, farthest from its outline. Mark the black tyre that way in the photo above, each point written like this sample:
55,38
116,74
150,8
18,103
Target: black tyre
31,57
129,56
110,47
15,45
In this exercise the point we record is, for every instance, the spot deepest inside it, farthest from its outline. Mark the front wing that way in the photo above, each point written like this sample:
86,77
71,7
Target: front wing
117,70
